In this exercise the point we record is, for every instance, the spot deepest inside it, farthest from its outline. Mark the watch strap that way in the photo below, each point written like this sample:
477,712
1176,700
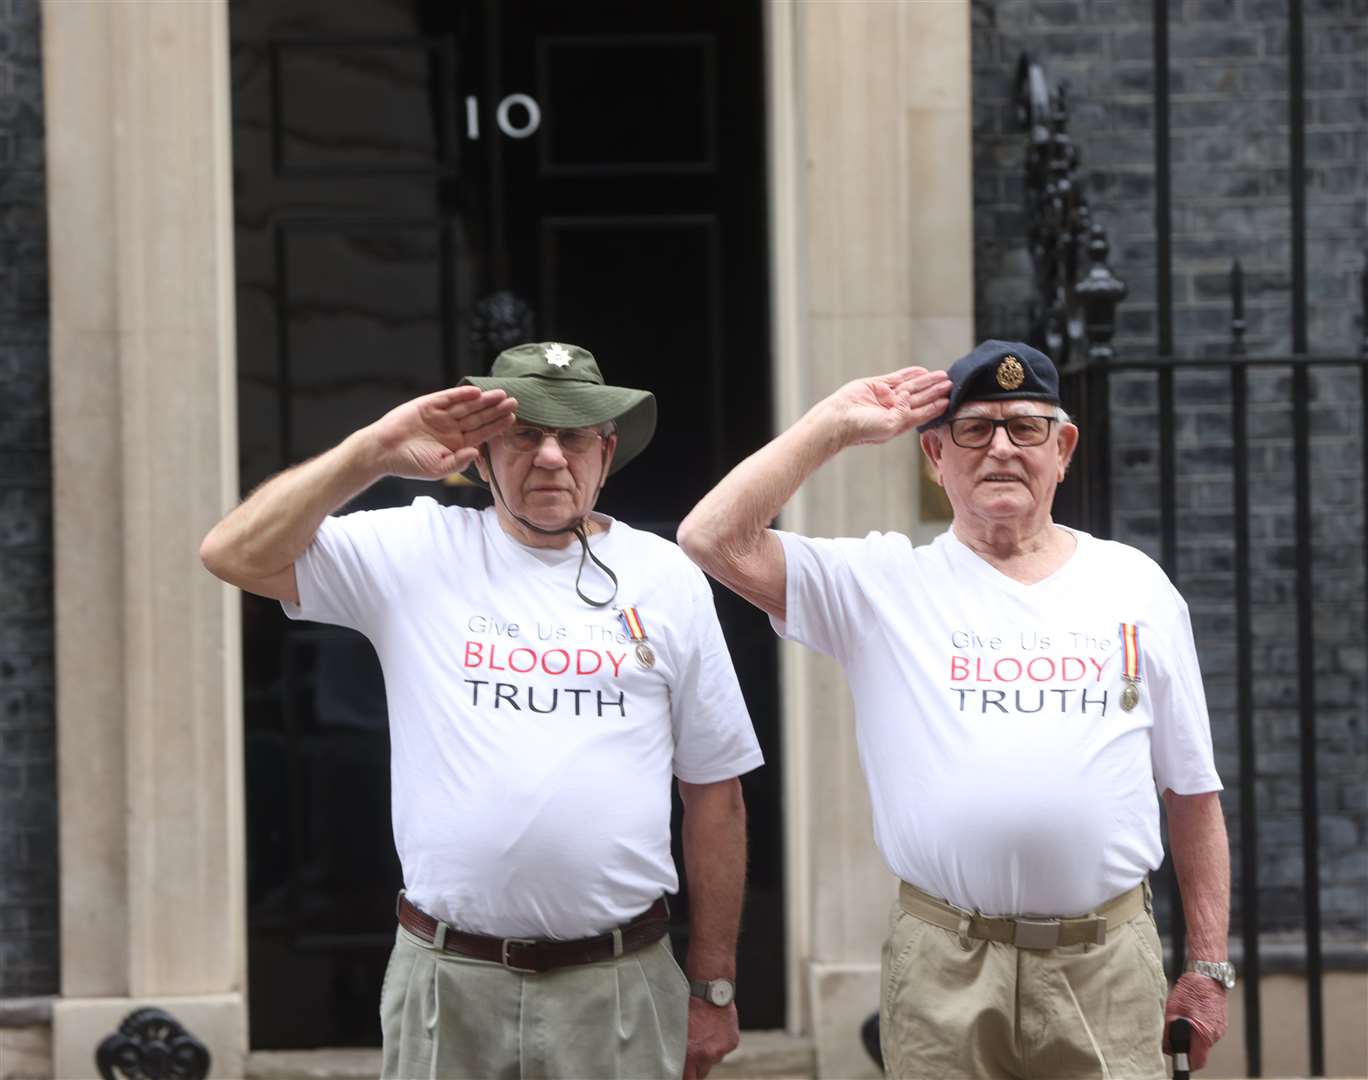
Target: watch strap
1222,971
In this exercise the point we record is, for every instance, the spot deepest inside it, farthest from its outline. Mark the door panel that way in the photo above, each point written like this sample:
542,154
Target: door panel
361,107
628,104
369,314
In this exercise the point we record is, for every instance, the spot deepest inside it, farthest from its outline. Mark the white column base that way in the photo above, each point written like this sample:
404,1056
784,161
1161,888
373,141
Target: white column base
843,996
79,1025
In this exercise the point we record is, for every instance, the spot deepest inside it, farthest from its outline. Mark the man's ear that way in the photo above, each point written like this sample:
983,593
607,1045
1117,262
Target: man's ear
609,449
931,447
482,461
1068,442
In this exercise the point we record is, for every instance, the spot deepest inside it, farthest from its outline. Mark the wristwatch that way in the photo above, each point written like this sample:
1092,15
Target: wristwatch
719,992
1223,971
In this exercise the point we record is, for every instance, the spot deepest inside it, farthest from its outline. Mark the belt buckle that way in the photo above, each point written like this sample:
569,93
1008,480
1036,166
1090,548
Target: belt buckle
1035,933
503,954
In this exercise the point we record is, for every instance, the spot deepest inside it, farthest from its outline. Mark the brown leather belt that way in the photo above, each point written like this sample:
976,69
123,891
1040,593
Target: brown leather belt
529,955
1026,932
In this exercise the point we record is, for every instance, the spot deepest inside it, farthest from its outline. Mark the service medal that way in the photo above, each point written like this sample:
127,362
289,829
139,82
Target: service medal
1130,665
636,630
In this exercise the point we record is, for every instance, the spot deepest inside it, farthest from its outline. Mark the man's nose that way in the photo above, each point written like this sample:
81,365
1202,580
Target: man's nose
1000,443
549,453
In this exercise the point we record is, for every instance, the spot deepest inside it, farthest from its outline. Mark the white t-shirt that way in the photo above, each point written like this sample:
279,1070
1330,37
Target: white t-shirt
531,753
1003,772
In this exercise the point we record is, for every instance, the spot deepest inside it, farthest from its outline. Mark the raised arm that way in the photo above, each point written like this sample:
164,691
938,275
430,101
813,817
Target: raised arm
256,545
728,534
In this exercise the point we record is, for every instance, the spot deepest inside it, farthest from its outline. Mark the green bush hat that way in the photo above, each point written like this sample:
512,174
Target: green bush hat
560,386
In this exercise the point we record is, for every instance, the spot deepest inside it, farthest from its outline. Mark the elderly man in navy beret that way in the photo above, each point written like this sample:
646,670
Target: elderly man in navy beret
1023,694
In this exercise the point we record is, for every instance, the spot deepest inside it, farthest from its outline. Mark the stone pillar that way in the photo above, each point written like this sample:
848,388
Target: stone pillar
144,460
871,225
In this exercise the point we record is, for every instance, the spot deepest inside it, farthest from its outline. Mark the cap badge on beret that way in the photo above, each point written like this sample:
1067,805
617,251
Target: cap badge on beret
1010,373
557,355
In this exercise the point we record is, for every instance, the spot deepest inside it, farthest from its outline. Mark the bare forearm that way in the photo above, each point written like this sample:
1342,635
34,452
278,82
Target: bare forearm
727,532
274,526
1201,858
715,862
256,546
750,496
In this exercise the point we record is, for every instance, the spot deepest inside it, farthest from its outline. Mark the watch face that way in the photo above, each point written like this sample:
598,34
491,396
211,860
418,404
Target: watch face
721,992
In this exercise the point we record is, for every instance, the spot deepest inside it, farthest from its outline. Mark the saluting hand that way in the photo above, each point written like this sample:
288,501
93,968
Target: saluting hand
878,408
438,434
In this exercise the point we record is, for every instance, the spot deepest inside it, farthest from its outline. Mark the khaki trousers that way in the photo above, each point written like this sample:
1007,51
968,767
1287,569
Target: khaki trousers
957,1007
448,1016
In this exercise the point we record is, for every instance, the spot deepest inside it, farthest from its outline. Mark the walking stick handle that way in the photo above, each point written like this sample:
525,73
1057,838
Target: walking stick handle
1180,1043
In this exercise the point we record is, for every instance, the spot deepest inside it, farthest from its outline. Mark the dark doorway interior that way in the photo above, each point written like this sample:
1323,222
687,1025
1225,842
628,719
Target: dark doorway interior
417,184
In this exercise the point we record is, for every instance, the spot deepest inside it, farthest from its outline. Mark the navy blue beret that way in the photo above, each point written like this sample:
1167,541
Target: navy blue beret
996,371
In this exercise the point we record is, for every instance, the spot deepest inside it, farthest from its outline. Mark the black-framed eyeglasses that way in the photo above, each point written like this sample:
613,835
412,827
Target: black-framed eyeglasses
976,432
526,439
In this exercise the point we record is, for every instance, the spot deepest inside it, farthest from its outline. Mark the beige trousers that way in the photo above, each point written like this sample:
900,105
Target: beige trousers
448,1016
971,1008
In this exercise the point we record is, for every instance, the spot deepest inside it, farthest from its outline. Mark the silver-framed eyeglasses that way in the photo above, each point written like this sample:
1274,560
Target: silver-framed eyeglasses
526,439
976,432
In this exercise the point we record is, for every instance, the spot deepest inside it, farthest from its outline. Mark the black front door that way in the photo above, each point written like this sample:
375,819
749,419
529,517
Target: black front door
418,184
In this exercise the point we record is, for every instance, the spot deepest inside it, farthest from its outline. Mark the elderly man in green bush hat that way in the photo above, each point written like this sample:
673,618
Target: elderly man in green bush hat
548,670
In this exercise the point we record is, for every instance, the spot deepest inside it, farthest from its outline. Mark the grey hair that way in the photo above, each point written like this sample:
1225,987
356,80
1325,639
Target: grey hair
608,428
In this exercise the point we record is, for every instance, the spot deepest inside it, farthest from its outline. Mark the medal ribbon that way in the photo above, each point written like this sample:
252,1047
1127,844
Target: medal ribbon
632,621
1130,652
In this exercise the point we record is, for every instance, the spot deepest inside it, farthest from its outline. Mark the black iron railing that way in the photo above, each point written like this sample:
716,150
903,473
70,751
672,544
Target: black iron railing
1085,501
1073,318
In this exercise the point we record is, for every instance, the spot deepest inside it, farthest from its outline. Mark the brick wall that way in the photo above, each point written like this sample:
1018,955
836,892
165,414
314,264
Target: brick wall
28,788
1229,148
1229,151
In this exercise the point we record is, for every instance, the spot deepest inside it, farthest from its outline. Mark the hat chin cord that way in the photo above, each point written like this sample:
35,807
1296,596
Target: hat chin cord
576,527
